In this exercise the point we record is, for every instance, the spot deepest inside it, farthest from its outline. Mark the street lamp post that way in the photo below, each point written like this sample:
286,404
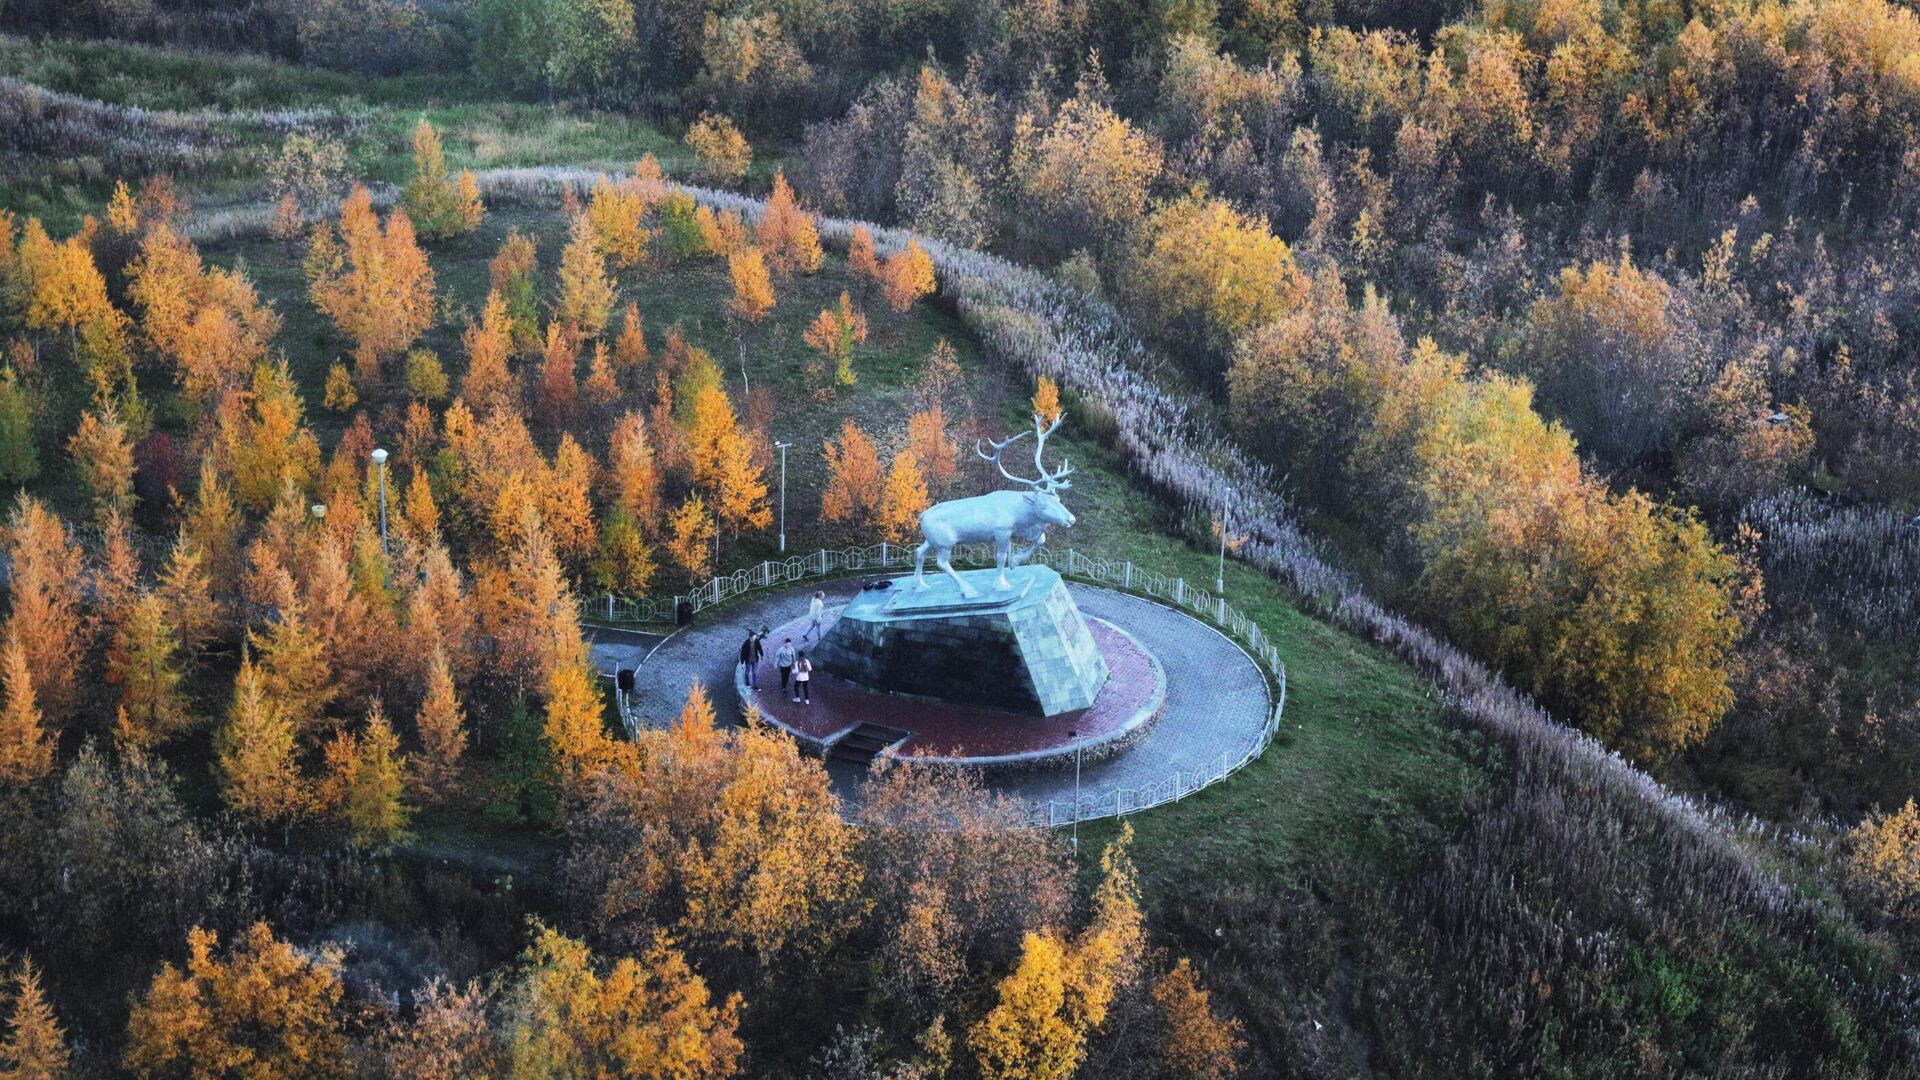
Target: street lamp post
380,459
782,447
1220,571
1075,736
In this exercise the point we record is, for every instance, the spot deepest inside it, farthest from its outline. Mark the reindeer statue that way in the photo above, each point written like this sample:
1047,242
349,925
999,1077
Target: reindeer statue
1002,516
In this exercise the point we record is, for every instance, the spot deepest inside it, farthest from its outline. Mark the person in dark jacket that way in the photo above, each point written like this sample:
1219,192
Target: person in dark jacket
749,660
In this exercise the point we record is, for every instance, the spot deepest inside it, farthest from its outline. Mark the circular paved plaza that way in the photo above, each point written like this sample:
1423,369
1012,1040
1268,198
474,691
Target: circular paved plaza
1216,697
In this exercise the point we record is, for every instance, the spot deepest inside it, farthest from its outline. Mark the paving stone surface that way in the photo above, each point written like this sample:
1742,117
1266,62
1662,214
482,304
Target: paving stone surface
1217,698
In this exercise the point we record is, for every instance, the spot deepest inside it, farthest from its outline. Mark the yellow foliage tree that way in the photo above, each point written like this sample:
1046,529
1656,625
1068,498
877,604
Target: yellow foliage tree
723,465
1088,170
366,783
1046,400
1885,855
255,751
262,440
1200,262
487,385
26,750
144,662
1061,992
630,349
438,205
379,290
902,499
772,864
787,233
35,1048
294,659
649,1017
723,233
834,334
1199,1043
752,288
103,453
419,515
266,1009
186,588
853,476
45,614
615,210
512,274
586,292
441,728
566,501
575,728
624,564
690,535
560,375
723,152
1028,1035
927,439
862,262
340,394
210,324
600,390
908,276
632,478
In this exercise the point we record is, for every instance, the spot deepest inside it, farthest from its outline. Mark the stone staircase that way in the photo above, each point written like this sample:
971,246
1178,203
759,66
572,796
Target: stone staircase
863,743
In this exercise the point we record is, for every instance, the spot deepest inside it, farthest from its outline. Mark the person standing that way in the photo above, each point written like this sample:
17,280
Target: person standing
759,654
783,659
816,614
749,669
802,679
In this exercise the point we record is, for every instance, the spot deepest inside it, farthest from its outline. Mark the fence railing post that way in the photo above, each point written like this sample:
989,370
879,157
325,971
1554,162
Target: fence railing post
1128,579
1179,590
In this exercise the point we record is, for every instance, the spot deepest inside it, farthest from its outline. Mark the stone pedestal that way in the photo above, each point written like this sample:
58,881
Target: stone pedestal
1022,649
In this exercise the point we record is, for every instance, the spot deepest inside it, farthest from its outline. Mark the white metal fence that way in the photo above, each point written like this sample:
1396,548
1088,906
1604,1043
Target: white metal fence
1123,574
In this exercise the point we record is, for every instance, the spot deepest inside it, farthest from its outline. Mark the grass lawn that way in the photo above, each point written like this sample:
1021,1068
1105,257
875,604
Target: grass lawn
235,95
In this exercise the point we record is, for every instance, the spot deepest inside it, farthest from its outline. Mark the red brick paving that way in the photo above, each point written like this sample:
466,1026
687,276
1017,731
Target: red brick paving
949,730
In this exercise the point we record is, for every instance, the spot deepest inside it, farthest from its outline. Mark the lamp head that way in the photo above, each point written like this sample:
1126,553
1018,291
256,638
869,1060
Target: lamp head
379,457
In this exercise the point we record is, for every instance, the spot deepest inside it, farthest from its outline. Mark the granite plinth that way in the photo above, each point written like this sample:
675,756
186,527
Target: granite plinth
1022,649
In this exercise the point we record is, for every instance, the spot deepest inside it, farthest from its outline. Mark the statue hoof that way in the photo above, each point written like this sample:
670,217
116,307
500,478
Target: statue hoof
969,591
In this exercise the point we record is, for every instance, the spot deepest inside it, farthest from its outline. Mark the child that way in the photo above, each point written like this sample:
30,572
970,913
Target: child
802,679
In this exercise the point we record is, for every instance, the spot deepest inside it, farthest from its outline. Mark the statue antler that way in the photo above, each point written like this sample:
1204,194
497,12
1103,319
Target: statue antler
1055,479
1051,480
998,446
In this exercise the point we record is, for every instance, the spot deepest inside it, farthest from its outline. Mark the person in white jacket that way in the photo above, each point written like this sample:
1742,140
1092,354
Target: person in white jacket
816,614
803,679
